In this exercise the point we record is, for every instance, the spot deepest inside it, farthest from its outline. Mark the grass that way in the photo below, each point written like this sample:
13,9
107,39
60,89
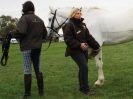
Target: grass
60,74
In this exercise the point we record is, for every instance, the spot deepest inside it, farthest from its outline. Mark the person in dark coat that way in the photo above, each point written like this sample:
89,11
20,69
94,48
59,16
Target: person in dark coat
31,31
78,39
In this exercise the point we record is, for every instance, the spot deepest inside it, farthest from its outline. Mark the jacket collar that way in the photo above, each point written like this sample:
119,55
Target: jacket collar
29,12
77,21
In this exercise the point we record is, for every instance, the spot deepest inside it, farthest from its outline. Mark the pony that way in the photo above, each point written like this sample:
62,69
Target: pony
106,27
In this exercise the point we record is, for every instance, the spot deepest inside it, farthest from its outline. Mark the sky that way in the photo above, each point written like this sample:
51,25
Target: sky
14,7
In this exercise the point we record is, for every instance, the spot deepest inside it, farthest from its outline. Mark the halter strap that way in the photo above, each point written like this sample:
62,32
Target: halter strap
52,29
52,23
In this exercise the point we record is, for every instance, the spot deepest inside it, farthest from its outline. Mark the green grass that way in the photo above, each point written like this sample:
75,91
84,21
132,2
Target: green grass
60,74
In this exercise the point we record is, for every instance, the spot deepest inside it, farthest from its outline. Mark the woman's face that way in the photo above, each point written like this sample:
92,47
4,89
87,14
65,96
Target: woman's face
78,14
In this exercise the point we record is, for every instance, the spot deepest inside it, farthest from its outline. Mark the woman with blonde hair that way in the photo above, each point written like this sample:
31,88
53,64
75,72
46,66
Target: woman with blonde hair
74,11
78,39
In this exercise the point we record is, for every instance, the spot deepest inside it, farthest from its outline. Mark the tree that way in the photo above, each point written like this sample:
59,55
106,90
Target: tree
7,24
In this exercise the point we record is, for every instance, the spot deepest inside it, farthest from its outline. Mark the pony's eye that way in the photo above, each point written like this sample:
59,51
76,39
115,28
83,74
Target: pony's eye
49,19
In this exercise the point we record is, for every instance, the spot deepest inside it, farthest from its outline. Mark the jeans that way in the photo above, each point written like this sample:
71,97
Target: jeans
82,62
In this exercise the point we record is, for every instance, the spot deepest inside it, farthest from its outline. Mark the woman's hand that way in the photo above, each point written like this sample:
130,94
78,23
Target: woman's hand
84,46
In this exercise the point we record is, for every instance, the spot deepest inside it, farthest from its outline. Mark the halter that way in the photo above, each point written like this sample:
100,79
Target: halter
52,23
52,29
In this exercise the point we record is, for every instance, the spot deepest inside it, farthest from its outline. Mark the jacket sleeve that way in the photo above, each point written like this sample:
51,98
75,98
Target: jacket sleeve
21,30
17,35
69,37
22,25
44,32
91,41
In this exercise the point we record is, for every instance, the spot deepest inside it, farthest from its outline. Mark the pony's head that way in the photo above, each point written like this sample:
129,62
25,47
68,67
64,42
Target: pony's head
57,18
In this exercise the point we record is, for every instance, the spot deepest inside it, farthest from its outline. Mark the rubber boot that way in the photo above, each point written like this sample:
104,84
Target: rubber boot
40,83
27,86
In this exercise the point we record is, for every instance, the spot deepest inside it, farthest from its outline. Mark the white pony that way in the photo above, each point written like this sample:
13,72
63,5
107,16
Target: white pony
106,27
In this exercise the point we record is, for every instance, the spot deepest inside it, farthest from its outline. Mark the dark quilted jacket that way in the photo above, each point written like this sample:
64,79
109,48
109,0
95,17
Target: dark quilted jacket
75,32
32,30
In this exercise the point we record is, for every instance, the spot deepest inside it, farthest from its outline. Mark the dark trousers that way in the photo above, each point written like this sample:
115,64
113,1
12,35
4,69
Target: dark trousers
35,57
82,62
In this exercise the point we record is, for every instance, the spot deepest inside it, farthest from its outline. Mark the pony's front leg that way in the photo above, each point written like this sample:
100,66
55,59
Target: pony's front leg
99,65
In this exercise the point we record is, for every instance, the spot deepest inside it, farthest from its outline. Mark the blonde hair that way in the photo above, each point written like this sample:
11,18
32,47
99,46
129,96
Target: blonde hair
73,12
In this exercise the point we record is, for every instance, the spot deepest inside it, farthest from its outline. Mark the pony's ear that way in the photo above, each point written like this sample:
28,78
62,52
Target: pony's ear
80,8
51,9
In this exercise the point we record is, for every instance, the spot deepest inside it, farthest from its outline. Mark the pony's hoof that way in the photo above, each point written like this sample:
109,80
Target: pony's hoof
99,83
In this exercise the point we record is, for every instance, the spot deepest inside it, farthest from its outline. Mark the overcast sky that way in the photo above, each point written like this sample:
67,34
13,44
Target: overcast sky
14,7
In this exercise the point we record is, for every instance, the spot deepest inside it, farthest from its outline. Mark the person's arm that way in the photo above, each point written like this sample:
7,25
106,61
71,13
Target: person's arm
17,35
69,37
45,33
22,25
93,44
91,41
21,28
